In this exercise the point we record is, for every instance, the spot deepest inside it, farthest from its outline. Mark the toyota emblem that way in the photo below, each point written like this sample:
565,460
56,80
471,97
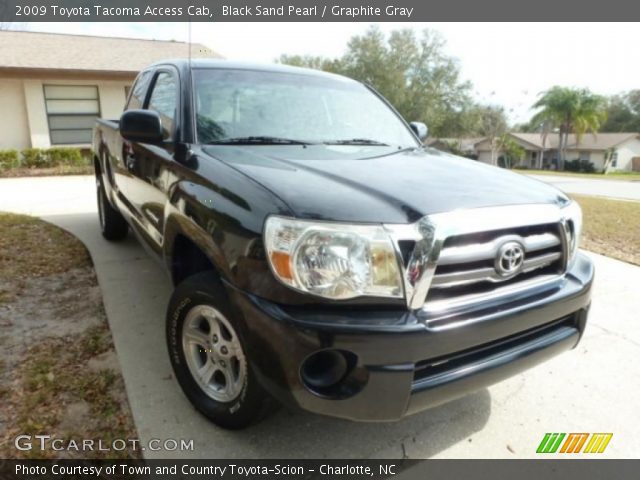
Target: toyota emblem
510,259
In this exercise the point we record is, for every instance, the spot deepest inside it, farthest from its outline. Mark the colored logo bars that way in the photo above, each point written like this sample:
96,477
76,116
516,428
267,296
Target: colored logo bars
574,443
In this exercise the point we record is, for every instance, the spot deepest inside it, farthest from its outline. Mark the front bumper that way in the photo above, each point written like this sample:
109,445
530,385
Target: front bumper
405,363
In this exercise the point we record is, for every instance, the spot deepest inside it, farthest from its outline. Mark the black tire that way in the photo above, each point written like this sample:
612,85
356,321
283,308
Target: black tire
196,293
112,224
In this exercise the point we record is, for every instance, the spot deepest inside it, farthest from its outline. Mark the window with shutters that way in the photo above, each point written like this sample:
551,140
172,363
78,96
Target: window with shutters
71,111
585,156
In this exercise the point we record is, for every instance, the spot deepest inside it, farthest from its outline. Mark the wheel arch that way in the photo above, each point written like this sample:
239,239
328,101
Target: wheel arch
189,250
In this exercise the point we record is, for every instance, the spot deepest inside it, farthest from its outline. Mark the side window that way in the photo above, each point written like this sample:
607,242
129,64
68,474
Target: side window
139,89
164,100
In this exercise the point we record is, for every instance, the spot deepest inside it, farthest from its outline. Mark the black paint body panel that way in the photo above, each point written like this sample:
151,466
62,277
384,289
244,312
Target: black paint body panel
391,353
218,198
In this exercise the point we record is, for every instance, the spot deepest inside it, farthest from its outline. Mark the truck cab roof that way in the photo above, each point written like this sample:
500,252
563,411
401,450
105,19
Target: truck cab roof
184,64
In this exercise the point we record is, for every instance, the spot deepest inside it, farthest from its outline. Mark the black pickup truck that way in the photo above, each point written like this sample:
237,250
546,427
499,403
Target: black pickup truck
321,255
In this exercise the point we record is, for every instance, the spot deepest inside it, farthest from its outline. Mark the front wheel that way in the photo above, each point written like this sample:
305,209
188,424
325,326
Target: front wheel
208,354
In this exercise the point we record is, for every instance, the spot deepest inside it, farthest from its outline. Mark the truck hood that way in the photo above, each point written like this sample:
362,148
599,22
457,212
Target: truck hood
379,184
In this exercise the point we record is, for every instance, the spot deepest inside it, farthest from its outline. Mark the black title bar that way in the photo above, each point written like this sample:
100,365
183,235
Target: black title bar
316,10
319,469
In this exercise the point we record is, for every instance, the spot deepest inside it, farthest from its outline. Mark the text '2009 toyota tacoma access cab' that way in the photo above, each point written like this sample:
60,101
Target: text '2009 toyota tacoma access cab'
321,255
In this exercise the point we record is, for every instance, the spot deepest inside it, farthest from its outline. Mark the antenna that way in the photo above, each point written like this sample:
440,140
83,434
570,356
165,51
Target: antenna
190,79
189,43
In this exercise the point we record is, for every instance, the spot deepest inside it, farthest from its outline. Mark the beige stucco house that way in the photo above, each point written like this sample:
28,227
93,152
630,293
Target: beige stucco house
462,146
52,86
540,152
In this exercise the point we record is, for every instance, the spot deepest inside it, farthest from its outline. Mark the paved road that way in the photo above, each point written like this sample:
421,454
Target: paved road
594,388
625,190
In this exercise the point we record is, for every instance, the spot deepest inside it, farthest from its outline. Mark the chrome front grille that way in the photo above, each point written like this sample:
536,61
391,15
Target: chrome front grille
471,258
463,257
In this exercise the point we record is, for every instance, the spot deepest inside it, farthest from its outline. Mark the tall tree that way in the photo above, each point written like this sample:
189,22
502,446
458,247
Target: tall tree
623,113
411,71
569,110
512,151
310,61
492,124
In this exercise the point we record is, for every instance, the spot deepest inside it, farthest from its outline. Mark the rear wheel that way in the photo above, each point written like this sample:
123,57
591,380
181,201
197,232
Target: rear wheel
112,224
209,356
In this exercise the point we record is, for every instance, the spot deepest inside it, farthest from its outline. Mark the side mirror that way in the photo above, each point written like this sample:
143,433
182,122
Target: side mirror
143,126
420,129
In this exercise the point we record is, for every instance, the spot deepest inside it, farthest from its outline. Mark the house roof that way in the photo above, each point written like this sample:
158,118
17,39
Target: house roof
53,51
588,141
464,144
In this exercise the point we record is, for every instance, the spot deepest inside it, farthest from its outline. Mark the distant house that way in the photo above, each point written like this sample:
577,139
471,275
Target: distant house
52,86
541,153
460,146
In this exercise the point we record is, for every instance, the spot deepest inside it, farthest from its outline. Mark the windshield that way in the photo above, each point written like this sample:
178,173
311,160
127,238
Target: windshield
240,106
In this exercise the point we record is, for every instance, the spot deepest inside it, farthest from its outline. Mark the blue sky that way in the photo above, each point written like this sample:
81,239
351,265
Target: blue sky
508,63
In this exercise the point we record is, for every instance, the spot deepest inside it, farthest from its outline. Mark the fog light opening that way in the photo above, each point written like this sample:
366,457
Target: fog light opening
324,372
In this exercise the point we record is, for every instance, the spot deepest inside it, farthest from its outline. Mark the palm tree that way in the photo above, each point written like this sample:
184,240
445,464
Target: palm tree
570,110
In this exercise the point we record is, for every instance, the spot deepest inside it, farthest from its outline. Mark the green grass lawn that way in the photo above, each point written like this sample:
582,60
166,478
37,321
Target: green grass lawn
596,176
611,227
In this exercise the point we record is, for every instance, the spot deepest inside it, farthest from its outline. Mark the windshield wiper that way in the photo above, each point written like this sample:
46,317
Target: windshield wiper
356,141
258,140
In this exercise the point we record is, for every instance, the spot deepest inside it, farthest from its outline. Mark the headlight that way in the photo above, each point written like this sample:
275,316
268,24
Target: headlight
572,220
333,260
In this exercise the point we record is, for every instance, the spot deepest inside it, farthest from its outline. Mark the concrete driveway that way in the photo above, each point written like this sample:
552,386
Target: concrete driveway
594,388
619,189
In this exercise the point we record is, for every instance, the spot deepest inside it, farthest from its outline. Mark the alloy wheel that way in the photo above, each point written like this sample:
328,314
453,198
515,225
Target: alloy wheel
213,353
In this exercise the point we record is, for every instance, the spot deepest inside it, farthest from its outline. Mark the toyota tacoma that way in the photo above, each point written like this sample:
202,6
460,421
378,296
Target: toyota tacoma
321,255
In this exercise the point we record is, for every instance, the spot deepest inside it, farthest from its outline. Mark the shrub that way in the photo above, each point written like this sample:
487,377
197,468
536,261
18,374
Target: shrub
9,159
65,156
46,158
577,165
87,158
34,158
572,165
587,167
